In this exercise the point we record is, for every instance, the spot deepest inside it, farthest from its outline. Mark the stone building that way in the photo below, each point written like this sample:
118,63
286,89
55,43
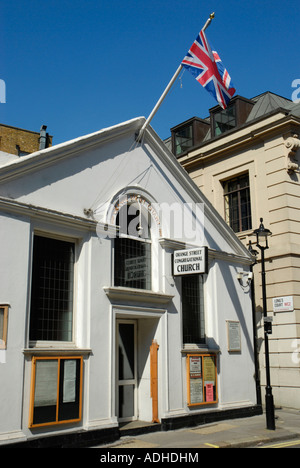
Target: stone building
245,159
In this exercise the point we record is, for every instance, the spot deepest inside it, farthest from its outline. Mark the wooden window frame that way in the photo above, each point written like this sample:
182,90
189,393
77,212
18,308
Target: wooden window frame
32,390
3,338
202,356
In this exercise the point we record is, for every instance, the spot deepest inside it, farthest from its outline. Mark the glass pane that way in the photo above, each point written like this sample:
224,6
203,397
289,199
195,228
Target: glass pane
45,395
232,185
246,210
46,383
126,401
126,351
234,211
224,120
69,403
183,139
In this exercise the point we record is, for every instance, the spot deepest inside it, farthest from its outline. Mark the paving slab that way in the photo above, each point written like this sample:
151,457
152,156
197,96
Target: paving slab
236,433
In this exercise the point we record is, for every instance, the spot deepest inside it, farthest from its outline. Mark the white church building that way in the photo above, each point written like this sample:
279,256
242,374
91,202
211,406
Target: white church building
124,296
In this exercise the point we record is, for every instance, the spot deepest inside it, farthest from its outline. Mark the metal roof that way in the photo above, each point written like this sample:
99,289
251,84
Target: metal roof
268,102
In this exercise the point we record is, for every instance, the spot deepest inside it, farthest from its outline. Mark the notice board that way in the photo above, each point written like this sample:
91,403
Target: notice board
201,379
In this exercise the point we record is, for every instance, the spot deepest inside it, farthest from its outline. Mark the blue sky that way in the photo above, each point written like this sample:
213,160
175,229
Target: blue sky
79,66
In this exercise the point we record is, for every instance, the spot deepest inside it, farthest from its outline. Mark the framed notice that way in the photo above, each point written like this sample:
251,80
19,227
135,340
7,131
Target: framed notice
56,389
196,381
234,336
201,379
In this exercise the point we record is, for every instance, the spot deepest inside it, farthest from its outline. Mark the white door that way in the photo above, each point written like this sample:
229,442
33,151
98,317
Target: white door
126,370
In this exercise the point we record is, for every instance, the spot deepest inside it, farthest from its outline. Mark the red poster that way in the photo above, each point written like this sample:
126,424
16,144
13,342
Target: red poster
209,392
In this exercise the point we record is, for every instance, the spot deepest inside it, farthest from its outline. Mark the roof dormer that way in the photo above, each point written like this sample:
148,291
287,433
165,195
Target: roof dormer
235,115
188,135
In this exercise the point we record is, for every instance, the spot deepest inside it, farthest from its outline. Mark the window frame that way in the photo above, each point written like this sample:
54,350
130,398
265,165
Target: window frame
201,317
3,338
227,194
58,358
187,142
201,376
225,115
40,343
147,241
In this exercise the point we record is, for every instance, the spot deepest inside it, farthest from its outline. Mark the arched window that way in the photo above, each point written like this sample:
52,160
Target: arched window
132,252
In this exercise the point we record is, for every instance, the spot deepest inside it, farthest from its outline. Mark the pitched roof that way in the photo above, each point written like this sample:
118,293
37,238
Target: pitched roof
268,102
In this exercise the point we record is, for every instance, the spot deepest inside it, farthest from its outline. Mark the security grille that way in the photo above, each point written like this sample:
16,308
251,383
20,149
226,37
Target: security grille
52,290
132,253
132,263
193,309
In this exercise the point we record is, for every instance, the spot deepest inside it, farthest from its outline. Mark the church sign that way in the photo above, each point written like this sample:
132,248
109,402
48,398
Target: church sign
190,261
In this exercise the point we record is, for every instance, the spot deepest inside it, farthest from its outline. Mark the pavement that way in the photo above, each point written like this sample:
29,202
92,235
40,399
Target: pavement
234,433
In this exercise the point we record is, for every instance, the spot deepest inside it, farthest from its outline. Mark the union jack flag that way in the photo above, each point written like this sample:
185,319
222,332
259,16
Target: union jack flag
206,66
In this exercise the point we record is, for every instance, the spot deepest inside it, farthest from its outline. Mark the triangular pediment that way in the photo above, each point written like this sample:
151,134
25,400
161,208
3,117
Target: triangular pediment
78,176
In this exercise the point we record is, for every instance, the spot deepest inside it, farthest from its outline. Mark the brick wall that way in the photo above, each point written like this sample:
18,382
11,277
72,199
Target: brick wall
18,141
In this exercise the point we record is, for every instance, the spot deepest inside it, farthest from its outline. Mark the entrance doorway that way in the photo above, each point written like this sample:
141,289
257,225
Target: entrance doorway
127,382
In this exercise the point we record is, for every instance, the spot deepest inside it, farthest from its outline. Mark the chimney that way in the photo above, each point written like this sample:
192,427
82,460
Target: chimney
43,137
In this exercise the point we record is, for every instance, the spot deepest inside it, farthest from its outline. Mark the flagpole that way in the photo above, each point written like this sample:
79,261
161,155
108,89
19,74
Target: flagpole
164,94
211,17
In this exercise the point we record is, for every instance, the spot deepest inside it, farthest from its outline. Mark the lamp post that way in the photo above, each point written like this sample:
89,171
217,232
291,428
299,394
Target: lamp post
254,253
262,235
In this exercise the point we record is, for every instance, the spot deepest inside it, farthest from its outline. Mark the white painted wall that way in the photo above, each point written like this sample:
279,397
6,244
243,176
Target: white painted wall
14,267
68,185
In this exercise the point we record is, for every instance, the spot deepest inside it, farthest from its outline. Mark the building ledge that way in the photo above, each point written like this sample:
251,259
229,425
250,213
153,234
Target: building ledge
56,351
198,349
136,295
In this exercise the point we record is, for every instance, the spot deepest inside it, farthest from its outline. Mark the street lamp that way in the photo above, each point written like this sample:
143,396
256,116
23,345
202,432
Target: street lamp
262,235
